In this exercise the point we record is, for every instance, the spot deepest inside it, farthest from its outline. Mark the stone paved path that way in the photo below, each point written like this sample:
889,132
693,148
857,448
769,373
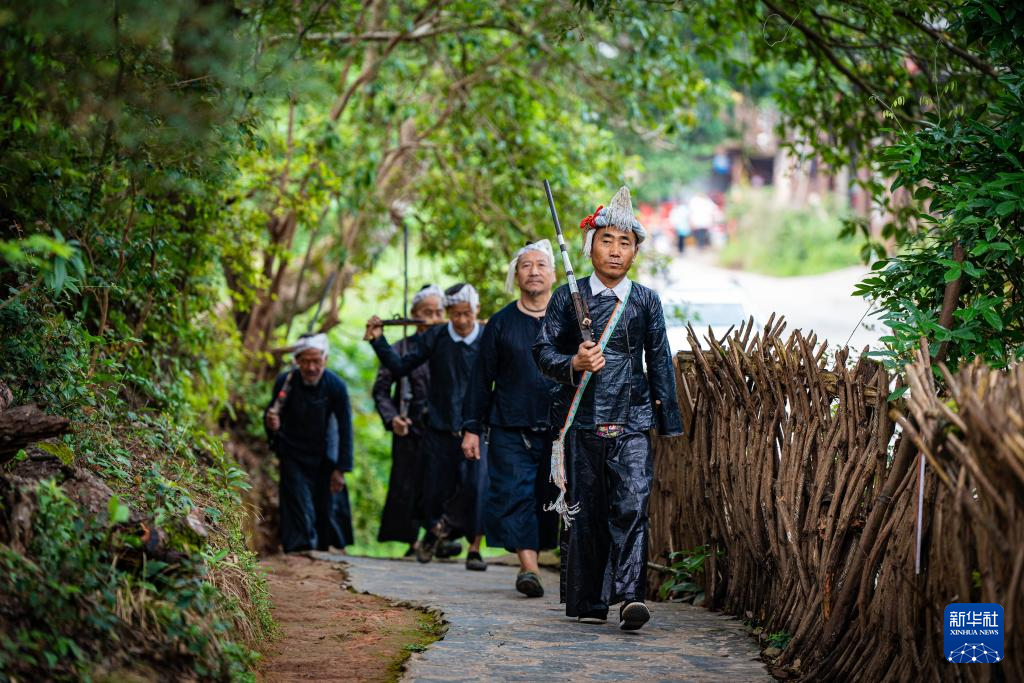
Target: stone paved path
495,634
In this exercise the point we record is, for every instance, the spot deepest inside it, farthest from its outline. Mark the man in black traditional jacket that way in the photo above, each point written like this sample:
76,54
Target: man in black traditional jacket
402,515
607,446
508,397
313,466
454,486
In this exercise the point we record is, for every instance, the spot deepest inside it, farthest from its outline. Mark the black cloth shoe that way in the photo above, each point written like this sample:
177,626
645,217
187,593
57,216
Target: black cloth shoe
430,542
426,547
529,585
633,615
446,549
594,616
475,562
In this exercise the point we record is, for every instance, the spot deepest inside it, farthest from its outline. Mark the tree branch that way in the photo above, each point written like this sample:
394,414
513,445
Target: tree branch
371,69
421,32
823,47
949,45
950,297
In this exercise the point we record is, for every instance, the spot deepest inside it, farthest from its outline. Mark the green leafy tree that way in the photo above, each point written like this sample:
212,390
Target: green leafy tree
958,280
922,99
117,129
445,115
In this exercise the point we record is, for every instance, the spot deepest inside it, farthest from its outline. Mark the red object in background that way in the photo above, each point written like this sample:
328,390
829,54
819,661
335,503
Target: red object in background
649,218
664,209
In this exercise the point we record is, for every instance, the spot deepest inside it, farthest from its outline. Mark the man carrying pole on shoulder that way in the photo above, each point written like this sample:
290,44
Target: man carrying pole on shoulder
402,405
454,487
594,342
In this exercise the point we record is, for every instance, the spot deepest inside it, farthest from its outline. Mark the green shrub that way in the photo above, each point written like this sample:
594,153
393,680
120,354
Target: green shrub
781,240
683,584
83,596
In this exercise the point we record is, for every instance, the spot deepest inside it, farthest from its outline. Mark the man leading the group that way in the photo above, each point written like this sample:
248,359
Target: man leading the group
508,397
607,447
454,487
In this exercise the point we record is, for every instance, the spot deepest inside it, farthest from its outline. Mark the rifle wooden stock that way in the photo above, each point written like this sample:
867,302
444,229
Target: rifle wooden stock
402,321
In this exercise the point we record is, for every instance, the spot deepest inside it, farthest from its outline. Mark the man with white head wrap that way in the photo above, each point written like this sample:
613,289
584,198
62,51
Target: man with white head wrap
402,515
604,408
313,466
508,398
454,487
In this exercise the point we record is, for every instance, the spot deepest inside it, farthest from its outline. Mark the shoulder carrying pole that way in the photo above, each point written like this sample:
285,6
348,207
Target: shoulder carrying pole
404,384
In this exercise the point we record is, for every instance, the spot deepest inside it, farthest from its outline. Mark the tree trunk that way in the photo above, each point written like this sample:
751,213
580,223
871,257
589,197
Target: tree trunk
27,424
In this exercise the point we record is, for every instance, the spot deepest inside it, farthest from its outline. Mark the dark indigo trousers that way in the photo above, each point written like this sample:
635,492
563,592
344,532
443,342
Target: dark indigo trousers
518,468
308,519
454,488
606,561
343,517
402,515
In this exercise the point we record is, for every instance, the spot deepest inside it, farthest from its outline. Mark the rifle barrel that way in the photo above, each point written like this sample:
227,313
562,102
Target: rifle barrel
561,238
582,314
403,321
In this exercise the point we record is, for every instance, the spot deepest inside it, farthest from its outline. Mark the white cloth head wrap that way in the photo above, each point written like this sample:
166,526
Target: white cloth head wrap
426,292
543,246
461,293
310,341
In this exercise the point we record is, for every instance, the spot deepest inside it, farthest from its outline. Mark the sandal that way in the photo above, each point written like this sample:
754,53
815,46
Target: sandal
529,585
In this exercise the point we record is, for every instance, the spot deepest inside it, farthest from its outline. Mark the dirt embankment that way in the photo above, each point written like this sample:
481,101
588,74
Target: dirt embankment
329,633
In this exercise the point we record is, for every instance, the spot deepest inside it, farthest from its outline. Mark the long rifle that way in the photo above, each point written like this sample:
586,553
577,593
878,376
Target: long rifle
582,313
404,384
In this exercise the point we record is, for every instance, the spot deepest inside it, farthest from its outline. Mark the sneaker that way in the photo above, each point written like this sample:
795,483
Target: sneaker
529,585
633,615
475,562
425,548
593,617
446,549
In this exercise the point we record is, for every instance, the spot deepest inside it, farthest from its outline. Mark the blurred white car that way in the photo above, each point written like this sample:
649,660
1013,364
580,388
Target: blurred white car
720,308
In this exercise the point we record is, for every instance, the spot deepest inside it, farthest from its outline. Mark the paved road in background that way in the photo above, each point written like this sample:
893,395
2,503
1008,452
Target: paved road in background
822,303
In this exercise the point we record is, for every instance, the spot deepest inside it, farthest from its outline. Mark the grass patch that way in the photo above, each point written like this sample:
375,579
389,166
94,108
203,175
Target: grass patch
783,241
430,628
779,639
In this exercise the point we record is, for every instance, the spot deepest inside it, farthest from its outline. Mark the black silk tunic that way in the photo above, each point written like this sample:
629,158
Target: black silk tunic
506,388
622,392
450,364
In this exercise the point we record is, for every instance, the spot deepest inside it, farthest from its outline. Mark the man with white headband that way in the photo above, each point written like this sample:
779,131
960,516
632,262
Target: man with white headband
404,416
604,409
508,399
297,420
454,487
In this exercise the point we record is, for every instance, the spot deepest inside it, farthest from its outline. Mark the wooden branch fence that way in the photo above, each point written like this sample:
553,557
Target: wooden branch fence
795,475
